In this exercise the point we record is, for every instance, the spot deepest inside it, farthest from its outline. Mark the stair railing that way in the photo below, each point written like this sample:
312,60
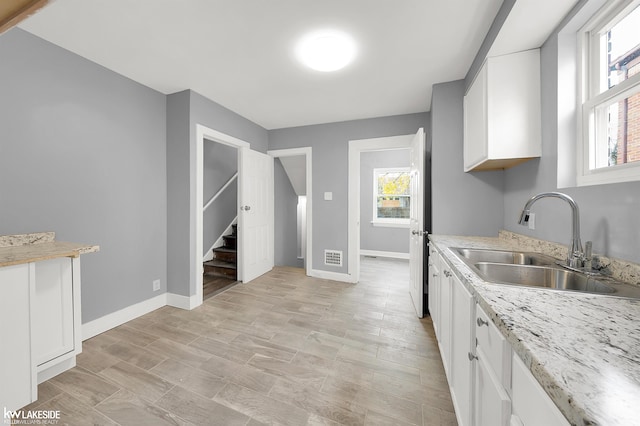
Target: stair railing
220,191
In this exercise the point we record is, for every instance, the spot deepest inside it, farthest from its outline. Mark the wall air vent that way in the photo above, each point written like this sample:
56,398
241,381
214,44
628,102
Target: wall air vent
333,257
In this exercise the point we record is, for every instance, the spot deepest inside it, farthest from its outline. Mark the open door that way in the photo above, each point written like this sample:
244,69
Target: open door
255,219
416,223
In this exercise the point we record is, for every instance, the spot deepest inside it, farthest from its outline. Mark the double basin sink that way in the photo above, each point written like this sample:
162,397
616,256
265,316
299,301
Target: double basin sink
538,270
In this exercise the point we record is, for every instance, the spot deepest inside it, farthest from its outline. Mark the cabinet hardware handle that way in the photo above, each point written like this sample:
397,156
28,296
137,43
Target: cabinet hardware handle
471,356
447,273
482,322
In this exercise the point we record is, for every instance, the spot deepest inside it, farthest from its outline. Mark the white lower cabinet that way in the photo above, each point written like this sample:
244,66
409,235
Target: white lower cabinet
434,287
445,316
462,342
17,372
490,386
531,404
492,403
39,325
53,310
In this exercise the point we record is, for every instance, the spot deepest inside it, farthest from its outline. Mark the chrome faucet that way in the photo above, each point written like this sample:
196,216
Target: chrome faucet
575,257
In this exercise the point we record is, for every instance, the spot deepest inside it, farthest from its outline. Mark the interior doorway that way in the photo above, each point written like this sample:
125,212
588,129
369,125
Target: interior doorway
416,144
296,223
220,191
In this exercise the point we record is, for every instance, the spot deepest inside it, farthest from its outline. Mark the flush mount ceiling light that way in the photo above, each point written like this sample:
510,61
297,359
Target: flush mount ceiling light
326,51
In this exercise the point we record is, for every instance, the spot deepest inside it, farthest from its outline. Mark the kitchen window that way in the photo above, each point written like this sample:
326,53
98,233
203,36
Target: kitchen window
609,145
391,197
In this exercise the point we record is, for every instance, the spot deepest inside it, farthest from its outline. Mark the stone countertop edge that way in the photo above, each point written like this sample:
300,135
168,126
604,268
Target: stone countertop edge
26,248
582,348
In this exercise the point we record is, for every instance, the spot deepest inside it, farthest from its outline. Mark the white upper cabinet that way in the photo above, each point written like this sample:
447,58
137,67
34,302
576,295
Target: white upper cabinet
502,113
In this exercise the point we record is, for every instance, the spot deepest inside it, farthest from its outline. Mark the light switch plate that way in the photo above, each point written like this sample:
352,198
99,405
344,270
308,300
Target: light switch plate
328,196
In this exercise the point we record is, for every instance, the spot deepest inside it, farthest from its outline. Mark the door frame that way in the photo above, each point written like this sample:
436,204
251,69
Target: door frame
205,133
356,147
306,151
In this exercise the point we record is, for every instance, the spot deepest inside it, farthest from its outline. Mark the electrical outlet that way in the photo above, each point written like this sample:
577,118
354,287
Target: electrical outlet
156,285
532,221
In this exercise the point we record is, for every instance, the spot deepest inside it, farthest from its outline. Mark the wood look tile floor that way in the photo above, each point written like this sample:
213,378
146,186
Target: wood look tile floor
285,349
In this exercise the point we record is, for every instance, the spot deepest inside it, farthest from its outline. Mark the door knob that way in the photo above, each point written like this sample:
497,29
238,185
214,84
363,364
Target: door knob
245,208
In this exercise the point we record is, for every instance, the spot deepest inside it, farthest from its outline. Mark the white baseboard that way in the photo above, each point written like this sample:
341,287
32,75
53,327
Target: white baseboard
391,254
182,302
335,276
56,369
109,321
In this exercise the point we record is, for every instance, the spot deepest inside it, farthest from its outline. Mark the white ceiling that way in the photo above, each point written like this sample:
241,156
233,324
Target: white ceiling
239,53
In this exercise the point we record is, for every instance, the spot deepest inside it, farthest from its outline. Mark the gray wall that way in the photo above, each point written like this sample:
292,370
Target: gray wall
609,213
462,203
330,143
220,164
380,238
286,220
178,193
497,23
191,108
82,153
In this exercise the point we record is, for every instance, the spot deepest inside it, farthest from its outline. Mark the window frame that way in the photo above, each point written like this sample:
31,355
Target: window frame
390,222
592,101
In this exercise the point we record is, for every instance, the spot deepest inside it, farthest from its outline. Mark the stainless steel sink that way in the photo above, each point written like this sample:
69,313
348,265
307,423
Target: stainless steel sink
538,270
542,276
502,256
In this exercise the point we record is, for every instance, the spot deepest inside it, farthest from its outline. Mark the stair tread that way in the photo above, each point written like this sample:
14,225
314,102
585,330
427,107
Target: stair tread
225,249
220,264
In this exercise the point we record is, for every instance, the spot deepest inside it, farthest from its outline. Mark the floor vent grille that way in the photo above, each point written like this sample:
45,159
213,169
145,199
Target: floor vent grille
333,257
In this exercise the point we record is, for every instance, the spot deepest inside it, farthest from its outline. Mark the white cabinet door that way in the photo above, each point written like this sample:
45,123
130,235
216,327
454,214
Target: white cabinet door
492,405
444,291
462,344
531,404
17,381
53,321
475,121
434,290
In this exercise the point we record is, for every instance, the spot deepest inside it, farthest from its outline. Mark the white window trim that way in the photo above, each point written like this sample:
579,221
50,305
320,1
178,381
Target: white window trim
386,222
588,100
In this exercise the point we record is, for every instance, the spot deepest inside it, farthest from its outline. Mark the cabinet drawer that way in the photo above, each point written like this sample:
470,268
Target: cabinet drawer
495,346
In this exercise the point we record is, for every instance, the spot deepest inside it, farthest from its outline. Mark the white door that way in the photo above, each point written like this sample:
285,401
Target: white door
416,216
255,219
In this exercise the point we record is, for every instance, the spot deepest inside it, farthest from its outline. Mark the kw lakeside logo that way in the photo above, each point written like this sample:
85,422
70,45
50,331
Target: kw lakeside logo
31,417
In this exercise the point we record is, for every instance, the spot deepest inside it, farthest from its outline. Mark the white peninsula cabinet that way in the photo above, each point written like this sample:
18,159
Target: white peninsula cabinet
55,313
40,314
17,372
489,384
502,126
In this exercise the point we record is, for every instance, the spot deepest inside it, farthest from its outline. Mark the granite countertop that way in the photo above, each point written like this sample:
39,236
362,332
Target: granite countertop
25,248
583,349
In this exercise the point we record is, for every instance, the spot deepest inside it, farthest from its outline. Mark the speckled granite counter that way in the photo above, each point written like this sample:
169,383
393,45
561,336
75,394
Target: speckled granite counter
583,349
25,248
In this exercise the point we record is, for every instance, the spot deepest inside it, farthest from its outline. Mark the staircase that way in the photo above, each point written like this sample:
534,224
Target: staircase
224,262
